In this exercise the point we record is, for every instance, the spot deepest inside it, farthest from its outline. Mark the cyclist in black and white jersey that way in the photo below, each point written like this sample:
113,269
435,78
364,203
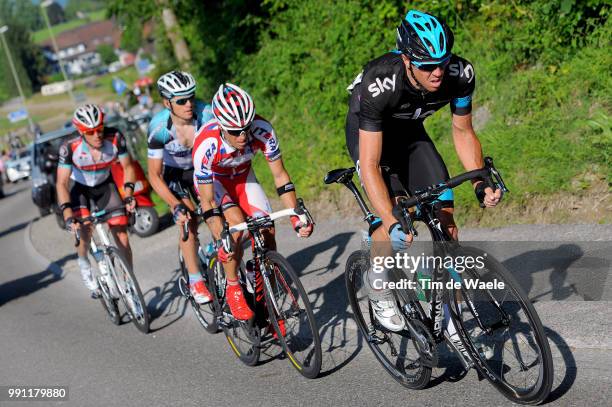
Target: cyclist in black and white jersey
86,160
170,165
386,139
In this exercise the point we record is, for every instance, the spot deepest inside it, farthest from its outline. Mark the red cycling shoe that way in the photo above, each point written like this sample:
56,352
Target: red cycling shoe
237,303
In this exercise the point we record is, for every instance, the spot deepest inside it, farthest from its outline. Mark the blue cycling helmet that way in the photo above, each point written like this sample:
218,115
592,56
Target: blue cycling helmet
424,38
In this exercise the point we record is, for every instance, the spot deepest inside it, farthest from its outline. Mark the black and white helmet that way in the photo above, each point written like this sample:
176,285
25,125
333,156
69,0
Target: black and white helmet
233,107
176,83
88,117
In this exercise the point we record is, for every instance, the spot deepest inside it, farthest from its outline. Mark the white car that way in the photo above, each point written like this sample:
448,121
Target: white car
20,167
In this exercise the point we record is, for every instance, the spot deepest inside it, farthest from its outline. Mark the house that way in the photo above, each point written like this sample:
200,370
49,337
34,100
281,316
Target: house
77,47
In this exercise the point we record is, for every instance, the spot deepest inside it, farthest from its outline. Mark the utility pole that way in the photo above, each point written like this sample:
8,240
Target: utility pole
4,29
43,7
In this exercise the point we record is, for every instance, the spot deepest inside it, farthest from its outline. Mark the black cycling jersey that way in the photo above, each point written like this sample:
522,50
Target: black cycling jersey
382,95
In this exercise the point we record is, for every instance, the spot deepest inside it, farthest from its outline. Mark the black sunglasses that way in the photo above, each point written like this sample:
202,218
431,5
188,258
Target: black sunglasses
432,67
183,102
238,133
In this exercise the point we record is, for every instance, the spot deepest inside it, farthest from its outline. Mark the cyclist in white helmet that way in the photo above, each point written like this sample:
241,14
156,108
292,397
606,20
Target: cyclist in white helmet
170,166
228,188
87,160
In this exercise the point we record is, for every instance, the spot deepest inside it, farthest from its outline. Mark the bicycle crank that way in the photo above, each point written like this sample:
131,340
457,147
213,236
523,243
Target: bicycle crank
423,341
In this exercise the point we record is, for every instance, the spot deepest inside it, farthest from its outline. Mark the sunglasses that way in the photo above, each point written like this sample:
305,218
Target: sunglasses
238,133
430,67
183,102
92,132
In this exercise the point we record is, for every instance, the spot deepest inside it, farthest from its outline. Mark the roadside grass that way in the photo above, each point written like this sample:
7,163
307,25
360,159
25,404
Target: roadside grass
43,34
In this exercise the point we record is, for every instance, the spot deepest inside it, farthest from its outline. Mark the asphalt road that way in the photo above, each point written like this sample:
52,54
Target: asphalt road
52,333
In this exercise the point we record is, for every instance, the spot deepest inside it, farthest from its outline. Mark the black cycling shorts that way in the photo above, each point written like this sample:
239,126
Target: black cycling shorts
180,182
409,158
85,199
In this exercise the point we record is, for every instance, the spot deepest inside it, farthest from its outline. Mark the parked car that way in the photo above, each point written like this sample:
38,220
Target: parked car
19,167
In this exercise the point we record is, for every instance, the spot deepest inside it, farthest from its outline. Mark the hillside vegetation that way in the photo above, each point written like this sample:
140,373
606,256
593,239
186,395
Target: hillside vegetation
541,107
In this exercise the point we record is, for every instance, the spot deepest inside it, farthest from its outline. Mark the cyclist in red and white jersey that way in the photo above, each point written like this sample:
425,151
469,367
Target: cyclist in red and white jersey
222,154
87,160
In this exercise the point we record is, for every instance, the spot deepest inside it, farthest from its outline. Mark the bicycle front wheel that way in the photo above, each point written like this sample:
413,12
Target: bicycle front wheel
204,312
129,289
395,352
291,315
108,302
501,330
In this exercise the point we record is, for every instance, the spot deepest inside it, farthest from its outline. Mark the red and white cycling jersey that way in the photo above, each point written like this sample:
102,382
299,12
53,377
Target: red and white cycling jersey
75,154
214,157
229,170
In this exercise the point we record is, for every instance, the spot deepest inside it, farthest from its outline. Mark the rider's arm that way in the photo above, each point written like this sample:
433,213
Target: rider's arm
63,191
466,142
155,167
370,150
207,202
281,178
129,173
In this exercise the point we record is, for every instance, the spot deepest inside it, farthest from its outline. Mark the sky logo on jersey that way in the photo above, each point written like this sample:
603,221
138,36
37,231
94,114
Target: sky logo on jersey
460,70
380,86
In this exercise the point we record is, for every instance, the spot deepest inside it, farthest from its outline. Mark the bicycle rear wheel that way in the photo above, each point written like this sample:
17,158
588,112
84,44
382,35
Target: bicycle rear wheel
204,312
129,289
502,332
395,352
289,307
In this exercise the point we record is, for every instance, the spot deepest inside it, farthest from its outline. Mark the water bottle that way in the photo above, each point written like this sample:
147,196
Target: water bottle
98,255
250,273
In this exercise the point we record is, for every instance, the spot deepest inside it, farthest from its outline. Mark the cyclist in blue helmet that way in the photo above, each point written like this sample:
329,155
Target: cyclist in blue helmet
386,139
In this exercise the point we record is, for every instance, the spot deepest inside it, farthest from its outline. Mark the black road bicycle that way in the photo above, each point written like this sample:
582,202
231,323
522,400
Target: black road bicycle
116,279
498,331
283,313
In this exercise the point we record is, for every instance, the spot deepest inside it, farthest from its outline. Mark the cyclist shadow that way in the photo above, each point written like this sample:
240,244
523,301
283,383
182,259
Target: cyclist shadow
165,302
340,339
572,273
27,285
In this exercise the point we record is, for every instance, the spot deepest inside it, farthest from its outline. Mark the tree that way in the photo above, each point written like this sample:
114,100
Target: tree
107,53
56,14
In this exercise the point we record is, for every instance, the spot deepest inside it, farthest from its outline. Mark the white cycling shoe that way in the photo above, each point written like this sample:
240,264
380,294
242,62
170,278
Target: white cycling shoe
88,279
388,315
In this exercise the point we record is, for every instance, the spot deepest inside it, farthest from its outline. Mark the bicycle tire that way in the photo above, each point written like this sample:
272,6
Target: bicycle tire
109,303
302,348
205,313
410,373
128,285
483,301
244,337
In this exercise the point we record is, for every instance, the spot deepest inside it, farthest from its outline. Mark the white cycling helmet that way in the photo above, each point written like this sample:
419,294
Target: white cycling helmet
176,83
88,117
233,107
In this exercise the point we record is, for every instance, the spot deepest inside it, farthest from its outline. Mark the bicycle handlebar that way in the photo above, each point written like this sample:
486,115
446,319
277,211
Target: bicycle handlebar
255,223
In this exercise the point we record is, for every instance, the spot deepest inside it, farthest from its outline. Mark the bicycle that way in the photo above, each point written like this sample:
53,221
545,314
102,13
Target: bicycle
205,313
115,278
276,296
482,317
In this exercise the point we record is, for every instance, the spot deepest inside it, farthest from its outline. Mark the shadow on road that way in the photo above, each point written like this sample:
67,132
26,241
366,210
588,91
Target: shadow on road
572,273
340,344
166,302
27,285
14,228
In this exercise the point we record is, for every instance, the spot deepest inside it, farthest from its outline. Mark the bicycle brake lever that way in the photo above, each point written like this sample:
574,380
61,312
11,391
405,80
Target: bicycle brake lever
302,210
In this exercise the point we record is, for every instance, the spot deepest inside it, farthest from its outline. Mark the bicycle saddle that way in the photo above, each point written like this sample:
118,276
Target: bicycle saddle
340,175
